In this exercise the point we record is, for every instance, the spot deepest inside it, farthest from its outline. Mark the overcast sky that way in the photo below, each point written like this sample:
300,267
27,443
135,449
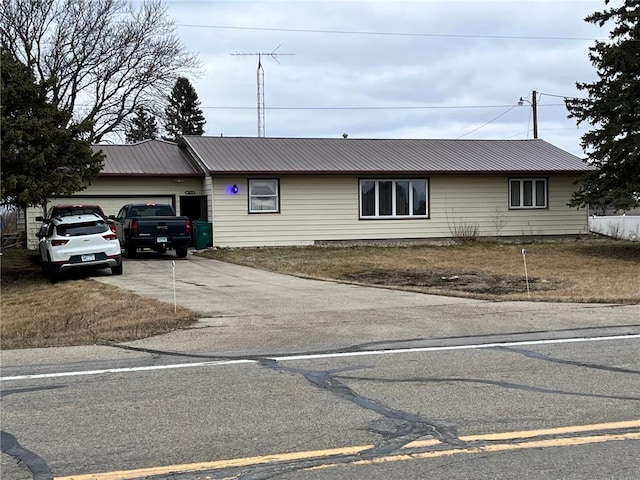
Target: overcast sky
391,69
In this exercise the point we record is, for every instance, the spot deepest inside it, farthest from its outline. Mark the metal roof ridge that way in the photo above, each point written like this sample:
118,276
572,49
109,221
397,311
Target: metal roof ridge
457,140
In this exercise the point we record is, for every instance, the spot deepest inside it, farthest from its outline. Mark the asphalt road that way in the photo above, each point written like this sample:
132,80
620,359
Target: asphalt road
293,378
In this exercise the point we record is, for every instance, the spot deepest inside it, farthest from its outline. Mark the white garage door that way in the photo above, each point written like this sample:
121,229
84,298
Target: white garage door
110,205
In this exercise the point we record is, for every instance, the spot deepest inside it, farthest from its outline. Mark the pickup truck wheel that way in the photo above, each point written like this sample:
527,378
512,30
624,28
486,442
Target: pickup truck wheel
181,252
130,250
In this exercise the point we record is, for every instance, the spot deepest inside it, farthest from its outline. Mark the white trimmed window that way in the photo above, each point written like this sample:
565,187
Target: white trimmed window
394,198
264,196
528,193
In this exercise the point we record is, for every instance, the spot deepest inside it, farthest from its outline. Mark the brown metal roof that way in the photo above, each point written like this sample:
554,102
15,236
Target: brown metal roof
147,158
253,155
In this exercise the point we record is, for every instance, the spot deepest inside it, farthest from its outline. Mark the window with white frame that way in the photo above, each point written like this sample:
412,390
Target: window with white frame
528,193
264,196
394,198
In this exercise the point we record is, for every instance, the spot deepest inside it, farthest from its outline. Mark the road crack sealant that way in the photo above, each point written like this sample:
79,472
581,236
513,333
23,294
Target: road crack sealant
25,458
561,361
398,428
10,446
497,383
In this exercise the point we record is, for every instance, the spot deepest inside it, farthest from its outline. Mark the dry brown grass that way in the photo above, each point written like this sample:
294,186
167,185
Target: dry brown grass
78,312
576,271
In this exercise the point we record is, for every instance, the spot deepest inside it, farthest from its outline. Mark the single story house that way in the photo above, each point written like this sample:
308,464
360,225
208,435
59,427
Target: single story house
299,191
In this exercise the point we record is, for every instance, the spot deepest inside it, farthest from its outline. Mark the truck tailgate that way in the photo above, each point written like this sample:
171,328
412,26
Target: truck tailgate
161,226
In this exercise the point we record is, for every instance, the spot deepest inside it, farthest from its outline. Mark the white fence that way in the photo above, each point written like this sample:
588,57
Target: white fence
619,226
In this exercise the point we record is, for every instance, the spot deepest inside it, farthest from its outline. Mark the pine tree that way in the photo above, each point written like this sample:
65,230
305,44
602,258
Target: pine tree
183,113
613,108
44,152
143,126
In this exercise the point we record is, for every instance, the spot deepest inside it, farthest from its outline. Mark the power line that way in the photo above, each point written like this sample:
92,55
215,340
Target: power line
542,130
566,97
388,107
492,120
393,107
388,34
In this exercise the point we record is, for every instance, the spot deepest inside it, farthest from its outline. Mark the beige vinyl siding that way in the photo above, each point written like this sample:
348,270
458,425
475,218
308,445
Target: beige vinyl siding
484,202
207,188
111,193
316,208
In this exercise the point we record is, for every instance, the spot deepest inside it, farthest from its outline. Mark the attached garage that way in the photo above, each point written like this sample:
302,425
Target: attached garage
111,205
152,171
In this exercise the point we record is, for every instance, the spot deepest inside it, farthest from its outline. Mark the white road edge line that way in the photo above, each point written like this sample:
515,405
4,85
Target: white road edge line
321,355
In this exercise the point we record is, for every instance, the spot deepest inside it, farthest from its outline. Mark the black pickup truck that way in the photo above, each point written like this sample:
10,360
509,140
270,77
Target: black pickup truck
153,226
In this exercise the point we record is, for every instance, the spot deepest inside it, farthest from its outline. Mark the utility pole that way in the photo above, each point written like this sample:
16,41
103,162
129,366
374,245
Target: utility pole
260,81
534,107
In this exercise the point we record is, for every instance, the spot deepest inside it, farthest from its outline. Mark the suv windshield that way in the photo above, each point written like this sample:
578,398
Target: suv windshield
79,229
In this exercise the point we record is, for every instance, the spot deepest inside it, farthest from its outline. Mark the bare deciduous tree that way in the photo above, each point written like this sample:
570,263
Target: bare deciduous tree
101,59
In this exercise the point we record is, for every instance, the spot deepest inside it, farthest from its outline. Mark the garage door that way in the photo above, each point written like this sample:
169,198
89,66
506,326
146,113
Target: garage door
111,205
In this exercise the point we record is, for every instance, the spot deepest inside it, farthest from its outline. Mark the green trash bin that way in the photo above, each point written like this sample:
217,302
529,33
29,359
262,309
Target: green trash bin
202,234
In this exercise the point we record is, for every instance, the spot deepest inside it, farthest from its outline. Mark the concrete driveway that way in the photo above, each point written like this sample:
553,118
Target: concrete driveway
249,310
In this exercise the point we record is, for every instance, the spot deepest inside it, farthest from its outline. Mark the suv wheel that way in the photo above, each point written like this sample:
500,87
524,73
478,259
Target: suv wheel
117,270
53,271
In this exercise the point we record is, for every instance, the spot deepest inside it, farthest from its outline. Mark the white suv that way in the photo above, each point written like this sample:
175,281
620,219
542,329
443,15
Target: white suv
79,241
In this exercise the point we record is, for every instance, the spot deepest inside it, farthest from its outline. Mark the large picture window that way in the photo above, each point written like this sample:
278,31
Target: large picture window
394,198
264,196
528,193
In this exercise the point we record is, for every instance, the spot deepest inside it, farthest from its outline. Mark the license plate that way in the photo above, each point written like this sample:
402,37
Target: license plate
162,240
88,258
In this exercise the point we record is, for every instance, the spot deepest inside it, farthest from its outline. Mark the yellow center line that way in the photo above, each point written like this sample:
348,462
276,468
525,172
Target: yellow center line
354,450
501,447
536,433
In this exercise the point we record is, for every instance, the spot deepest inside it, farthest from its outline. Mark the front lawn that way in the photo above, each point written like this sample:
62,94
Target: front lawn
597,270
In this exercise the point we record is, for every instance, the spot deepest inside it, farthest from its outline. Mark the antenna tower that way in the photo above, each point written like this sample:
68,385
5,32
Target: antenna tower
260,80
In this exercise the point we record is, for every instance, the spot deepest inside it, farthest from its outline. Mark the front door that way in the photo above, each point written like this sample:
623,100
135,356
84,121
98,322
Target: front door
194,207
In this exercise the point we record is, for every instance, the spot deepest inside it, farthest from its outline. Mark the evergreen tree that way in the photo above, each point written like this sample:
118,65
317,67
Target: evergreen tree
613,108
143,126
44,153
183,113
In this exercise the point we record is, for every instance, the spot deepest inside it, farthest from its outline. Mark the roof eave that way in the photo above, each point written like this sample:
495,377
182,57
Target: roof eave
394,172
155,175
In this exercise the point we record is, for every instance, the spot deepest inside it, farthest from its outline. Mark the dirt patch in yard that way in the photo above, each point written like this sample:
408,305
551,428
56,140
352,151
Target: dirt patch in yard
470,282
